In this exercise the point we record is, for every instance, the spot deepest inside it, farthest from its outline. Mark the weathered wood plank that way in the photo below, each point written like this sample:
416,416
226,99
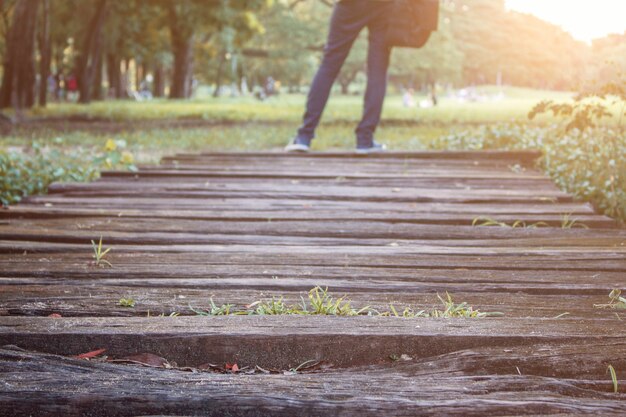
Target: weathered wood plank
372,230
81,298
303,214
248,340
404,389
143,237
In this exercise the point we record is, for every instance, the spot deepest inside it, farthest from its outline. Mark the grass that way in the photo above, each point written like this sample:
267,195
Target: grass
616,301
488,221
320,302
613,374
567,222
516,104
99,254
127,302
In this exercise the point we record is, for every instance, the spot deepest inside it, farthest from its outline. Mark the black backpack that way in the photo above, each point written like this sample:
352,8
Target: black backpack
412,22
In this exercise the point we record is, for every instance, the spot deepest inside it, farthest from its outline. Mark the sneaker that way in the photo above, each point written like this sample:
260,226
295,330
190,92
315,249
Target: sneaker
374,148
298,145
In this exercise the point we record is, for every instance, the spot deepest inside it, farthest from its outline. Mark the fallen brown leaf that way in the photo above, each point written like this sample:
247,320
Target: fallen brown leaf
91,354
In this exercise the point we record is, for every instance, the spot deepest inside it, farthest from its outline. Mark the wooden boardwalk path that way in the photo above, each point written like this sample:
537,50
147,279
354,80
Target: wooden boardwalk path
393,229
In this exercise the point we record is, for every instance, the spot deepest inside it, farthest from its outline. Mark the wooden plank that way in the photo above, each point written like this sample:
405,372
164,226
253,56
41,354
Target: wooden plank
100,298
575,236
148,237
421,387
434,218
191,341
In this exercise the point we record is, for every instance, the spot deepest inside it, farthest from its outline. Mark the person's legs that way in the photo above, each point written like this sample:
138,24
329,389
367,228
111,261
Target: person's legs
347,21
377,65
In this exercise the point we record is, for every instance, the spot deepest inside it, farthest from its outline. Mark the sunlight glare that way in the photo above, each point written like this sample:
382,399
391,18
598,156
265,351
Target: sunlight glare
584,19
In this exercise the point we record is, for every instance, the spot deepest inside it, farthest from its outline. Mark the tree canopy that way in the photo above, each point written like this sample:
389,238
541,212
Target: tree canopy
110,48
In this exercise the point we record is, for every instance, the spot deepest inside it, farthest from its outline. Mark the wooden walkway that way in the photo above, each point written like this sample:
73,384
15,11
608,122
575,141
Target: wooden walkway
237,228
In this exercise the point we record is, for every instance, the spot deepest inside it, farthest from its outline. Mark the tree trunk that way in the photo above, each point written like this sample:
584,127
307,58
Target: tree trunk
97,85
124,79
138,74
218,77
182,49
18,83
89,55
159,81
114,75
45,50
181,77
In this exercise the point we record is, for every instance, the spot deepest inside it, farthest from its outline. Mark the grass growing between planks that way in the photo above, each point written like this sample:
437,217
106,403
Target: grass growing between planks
567,222
616,301
99,254
320,302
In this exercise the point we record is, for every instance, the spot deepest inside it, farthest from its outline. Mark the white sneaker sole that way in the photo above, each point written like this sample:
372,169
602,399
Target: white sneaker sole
293,147
366,151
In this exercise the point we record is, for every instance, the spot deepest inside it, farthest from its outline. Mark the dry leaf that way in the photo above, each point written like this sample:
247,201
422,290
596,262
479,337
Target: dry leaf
91,354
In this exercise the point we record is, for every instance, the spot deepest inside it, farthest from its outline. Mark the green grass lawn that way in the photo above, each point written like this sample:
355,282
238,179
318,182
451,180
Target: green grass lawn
248,124
289,108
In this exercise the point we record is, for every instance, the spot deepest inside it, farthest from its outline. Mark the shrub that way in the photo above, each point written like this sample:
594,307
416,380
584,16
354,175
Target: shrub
32,171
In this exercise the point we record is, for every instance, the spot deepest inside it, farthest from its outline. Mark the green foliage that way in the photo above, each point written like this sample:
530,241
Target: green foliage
488,221
521,48
23,174
127,302
587,163
440,60
567,222
505,136
462,310
214,310
451,310
613,374
99,253
584,158
320,302
31,172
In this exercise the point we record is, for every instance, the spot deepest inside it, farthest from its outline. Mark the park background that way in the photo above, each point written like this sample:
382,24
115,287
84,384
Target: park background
89,85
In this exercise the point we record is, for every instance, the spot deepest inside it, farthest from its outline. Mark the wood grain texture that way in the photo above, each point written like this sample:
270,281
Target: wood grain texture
393,229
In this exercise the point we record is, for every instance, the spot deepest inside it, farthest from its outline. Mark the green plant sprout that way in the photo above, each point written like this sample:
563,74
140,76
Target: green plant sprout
214,310
320,302
611,371
127,302
616,301
568,223
488,221
99,254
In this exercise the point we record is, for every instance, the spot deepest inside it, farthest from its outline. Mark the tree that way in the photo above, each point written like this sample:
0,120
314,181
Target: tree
192,21
90,58
45,53
181,15
18,82
440,60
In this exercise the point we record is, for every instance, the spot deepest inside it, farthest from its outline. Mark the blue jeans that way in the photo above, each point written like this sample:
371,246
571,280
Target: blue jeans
348,19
